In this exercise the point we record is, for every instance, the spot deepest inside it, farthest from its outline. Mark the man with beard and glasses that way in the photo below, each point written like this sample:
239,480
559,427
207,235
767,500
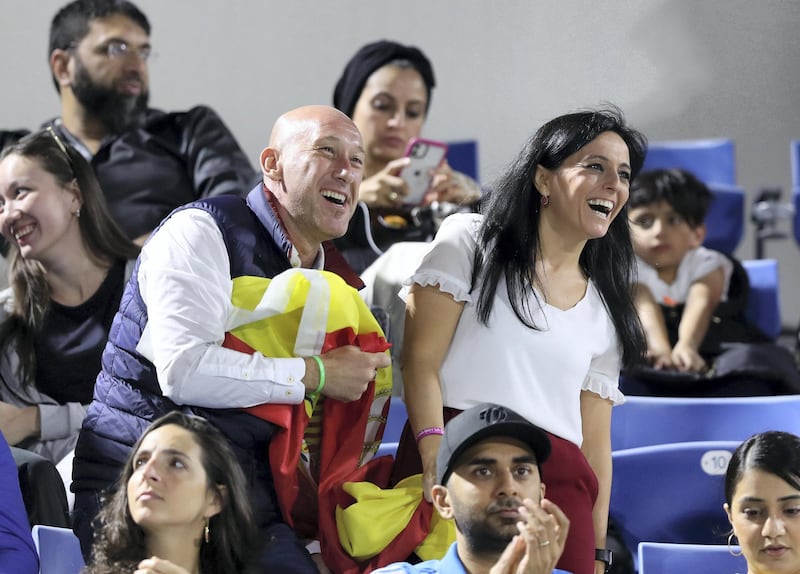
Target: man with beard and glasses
148,161
489,482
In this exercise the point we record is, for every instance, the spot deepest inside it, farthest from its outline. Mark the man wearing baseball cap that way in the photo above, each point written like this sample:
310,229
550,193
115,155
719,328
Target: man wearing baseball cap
489,481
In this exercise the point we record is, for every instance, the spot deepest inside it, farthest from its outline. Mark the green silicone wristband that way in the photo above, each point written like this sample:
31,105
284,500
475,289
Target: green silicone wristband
321,367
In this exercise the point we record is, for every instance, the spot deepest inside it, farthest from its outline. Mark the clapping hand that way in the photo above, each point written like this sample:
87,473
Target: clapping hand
538,546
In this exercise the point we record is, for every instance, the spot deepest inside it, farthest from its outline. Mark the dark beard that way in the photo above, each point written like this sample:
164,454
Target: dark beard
481,537
118,113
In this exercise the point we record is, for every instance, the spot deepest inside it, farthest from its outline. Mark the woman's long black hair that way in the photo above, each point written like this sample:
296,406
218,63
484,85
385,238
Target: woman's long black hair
509,237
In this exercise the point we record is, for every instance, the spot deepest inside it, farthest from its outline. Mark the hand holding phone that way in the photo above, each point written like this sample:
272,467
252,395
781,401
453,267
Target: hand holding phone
424,157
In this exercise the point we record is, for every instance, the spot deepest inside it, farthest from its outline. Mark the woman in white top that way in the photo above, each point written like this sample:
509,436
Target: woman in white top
529,305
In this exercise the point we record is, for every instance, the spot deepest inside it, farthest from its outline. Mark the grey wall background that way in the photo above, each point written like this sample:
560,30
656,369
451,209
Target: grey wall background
679,68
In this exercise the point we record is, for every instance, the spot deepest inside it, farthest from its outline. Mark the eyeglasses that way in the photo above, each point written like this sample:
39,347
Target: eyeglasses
60,144
118,49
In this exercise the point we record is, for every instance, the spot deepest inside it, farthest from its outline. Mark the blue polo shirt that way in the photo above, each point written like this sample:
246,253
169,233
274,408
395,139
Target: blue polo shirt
450,564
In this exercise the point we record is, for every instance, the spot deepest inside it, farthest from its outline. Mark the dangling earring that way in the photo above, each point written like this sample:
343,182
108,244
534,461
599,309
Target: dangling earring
730,545
545,200
78,213
206,531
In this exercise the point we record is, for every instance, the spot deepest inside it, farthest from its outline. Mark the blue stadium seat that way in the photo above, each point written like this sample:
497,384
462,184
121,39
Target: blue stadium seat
796,203
713,161
663,558
395,422
763,304
463,156
59,550
725,218
795,160
387,448
671,492
643,421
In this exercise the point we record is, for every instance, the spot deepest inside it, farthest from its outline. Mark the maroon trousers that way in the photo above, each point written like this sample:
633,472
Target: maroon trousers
570,483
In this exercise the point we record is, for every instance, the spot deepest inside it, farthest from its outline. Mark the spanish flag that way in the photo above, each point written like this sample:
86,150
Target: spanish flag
321,454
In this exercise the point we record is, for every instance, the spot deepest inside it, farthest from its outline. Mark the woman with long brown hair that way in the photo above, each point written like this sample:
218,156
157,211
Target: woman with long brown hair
68,267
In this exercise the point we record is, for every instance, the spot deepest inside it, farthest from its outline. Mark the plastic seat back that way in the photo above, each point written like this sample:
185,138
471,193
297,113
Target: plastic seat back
794,149
671,493
59,550
725,218
387,448
643,421
712,161
796,203
463,156
763,303
396,420
663,558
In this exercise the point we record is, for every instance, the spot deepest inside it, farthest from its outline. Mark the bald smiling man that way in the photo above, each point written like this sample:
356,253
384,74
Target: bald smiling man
166,349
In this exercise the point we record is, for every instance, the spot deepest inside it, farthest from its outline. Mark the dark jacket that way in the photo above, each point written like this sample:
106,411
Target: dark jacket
171,160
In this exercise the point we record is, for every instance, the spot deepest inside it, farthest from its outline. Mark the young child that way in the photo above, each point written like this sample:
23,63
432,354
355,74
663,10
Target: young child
667,209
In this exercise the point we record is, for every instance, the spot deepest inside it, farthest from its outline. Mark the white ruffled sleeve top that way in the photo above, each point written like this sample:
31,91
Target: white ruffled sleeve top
537,373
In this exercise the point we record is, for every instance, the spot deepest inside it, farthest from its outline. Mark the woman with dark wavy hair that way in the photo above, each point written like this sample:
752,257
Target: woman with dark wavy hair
69,264
529,305
180,506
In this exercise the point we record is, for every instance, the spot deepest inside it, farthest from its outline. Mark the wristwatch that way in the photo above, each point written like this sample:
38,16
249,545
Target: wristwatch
604,555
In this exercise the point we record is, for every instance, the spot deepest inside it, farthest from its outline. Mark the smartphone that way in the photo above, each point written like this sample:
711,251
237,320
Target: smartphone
426,155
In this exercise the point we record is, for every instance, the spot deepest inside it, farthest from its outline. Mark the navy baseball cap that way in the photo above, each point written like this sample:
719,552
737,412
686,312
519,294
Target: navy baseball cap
479,423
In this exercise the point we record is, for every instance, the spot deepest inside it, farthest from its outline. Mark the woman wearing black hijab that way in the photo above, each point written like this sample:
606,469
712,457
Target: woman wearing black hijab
386,89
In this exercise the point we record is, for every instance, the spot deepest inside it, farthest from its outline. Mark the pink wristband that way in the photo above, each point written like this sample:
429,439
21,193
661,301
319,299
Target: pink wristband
429,431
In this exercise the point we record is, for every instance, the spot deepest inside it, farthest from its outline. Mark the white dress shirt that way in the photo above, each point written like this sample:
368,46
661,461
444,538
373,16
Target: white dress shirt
185,282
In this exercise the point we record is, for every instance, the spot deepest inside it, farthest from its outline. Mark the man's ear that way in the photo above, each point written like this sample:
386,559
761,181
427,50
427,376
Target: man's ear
60,67
441,500
271,165
698,235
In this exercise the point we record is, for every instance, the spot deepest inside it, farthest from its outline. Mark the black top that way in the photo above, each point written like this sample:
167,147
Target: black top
71,341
